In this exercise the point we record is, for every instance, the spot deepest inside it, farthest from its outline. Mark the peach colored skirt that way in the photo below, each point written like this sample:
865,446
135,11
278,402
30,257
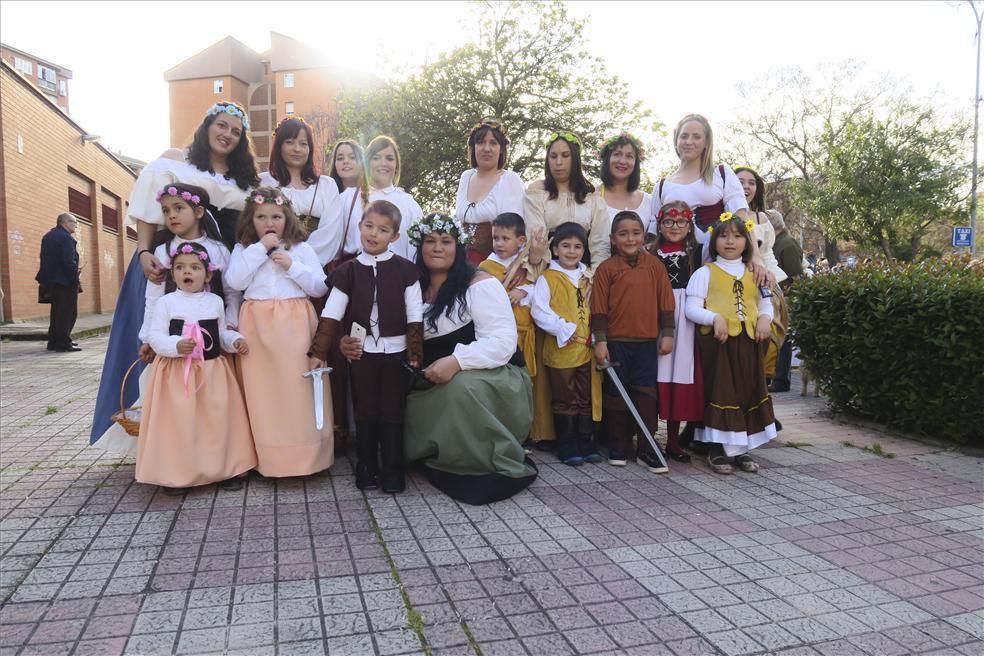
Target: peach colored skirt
279,398
193,438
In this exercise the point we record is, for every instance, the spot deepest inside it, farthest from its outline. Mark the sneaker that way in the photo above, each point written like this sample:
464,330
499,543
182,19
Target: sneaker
652,463
617,458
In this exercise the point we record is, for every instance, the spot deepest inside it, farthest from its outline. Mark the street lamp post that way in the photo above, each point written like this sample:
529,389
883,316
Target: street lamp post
977,106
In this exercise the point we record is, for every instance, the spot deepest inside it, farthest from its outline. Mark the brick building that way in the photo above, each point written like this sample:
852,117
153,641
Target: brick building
50,165
50,79
289,78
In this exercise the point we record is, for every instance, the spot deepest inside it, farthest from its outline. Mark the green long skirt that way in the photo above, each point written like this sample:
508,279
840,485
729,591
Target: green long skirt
468,434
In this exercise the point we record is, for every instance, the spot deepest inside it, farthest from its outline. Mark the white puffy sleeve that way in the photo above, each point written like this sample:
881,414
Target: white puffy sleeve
495,327
461,196
143,198
243,264
306,271
513,194
227,336
696,295
600,239
734,196
327,239
534,214
545,317
154,292
232,296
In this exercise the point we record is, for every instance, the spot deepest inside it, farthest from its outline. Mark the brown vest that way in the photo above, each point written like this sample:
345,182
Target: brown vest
389,282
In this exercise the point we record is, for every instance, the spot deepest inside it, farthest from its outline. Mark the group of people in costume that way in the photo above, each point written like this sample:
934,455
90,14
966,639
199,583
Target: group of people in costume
453,341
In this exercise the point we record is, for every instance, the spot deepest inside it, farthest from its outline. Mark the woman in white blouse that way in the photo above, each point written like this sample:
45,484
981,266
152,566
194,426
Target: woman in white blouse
621,171
383,167
564,194
467,429
487,189
314,197
348,169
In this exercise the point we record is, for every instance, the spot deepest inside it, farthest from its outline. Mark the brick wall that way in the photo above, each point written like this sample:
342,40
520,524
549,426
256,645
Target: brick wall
41,155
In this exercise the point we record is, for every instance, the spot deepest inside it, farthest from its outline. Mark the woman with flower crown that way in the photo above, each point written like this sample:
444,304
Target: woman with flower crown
314,197
621,171
563,195
487,189
473,407
220,161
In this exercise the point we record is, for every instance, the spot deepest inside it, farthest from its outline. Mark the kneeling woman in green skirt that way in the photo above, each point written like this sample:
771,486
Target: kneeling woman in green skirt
468,426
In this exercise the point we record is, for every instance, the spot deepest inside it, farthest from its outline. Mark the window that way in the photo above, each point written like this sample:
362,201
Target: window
216,86
111,219
288,80
23,65
79,204
289,108
47,78
62,88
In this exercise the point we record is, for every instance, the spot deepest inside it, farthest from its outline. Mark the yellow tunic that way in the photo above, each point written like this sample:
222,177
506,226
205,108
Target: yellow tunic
735,299
572,305
524,319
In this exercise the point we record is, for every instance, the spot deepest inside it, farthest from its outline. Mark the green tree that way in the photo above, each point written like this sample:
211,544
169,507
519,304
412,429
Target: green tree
886,181
529,67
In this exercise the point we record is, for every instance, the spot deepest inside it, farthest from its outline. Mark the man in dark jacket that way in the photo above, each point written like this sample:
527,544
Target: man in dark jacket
790,257
59,280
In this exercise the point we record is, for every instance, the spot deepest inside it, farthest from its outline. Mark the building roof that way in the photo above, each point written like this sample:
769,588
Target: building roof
61,69
17,75
227,57
289,54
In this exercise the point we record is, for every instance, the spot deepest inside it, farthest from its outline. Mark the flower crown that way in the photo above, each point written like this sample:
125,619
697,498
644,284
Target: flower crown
289,117
436,222
728,216
627,137
231,110
259,199
489,123
188,249
194,199
569,137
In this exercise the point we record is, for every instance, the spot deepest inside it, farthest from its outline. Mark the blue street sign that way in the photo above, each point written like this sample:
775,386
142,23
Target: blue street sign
962,236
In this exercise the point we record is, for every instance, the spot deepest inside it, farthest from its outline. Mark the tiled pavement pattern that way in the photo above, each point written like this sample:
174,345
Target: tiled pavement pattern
828,550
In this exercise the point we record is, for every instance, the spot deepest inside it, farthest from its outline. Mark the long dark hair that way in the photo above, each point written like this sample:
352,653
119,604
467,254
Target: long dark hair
290,128
241,161
208,225
452,292
757,204
579,184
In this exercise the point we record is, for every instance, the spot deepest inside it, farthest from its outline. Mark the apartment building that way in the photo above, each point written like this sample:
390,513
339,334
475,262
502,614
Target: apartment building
288,78
50,79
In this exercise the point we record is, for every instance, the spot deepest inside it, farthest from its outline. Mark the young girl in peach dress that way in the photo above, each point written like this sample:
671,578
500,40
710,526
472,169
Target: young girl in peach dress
277,272
193,428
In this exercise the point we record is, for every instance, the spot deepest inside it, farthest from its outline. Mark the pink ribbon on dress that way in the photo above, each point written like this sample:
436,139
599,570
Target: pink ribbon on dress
196,333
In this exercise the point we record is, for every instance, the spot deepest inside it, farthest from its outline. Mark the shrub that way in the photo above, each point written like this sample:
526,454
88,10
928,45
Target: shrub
902,344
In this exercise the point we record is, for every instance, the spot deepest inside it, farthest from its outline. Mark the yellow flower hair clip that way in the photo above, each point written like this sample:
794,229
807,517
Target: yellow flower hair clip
726,216
750,226
710,230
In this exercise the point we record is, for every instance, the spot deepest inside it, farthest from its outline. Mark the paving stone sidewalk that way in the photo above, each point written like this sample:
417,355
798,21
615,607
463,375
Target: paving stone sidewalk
830,549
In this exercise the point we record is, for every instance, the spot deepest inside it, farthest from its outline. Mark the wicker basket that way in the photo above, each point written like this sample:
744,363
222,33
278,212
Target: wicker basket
128,418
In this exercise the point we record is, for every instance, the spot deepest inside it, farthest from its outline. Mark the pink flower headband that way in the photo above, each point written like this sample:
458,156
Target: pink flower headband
194,199
259,199
188,249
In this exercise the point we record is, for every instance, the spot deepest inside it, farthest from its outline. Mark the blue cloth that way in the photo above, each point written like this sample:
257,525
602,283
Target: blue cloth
638,364
124,346
59,259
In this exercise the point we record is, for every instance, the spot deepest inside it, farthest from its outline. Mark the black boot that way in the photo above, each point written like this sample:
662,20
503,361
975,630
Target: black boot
392,477
585,440
367,451
565,428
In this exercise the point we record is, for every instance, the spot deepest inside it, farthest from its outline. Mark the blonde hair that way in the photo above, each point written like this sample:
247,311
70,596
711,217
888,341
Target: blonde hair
377,145
706,157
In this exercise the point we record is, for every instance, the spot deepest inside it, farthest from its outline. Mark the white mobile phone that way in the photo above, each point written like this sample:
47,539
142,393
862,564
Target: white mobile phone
359,333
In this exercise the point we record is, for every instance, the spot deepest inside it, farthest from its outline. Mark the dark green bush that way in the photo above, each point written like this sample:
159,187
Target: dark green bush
902,344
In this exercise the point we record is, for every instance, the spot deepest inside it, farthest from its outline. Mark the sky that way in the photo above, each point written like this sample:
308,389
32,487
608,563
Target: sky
676,57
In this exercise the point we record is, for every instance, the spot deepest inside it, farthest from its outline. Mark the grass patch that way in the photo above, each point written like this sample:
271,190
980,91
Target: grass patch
877,450
51,409
797,445
849,443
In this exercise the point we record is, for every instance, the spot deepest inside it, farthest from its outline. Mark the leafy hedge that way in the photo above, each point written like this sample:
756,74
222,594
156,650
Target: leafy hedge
902,344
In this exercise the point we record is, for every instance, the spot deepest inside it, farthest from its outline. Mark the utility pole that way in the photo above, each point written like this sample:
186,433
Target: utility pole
978,15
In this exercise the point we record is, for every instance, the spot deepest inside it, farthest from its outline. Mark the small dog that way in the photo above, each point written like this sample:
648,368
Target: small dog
806,374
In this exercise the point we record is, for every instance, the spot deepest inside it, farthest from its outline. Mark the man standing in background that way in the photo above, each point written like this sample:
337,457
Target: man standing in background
790,257
59,281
